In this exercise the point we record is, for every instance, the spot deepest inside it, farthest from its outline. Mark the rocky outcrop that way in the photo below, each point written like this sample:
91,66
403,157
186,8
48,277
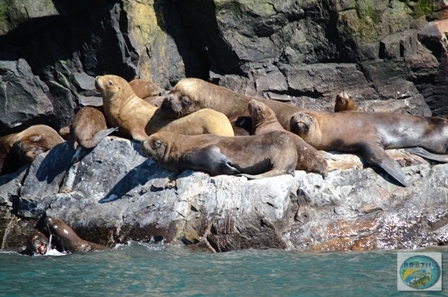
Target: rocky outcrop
388,56
114,194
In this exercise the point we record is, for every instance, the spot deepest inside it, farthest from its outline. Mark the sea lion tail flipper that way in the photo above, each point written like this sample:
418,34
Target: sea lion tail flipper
419,151
76,154
101,135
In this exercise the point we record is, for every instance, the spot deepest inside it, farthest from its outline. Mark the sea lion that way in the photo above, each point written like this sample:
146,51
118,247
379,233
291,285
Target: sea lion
144,88
344,102
37,244
155,100
18,149
254,156
265,121
371,133
69,240
137,119
87,129
192,94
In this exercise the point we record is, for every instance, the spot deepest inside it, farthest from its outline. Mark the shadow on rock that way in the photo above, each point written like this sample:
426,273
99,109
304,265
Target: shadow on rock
140,175
57,161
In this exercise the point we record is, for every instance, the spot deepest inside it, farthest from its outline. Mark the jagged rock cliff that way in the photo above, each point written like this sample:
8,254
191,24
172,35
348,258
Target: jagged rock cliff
389,55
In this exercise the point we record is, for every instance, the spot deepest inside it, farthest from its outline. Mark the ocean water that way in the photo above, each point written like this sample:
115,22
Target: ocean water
163,270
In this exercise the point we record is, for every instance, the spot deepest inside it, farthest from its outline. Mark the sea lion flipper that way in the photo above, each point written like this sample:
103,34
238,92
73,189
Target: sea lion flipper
419,151
270,173
101,135
376,155
392,167
211,160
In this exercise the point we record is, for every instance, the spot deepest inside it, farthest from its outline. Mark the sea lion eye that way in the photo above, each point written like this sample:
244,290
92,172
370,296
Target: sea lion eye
157,143
185,100
110,83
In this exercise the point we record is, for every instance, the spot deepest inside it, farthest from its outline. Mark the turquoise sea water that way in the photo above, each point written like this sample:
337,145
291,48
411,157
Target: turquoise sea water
161,270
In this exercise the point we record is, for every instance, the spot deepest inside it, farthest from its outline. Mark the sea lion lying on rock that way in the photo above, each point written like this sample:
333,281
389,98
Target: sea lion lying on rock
265,121
137,119
18,149
257,156
68,238
371,133
192,94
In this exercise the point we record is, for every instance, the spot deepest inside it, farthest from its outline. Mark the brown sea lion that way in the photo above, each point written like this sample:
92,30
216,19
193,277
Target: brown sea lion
254,156
265,121
37,244
137,119
344,102
87,129
69,240
144,88
371,133
18,149
192,94
155,100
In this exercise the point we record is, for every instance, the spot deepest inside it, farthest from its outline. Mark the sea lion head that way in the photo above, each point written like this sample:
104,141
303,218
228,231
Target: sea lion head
257,110
37,243
301,123
176,105
344,102
112,87
155,147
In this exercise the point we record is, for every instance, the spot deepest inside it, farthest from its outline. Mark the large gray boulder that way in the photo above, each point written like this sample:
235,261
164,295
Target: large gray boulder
115,194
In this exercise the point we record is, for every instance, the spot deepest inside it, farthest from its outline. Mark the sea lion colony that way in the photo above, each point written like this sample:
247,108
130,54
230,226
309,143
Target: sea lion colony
195,106
192,130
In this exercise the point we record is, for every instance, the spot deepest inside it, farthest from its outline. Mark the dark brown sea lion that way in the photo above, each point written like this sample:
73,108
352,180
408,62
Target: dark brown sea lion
37,244
192,94
371,133
144,88
254,156
18,149
69,240
137,119
344,102
88,128
265,121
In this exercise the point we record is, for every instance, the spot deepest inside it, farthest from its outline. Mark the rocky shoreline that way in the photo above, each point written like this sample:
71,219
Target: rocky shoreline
115,194
389,57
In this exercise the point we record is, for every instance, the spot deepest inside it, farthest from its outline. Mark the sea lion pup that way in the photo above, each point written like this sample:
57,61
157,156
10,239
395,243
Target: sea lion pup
37,244
18,149
254,157
192,94
371,133
265,121
137,119
69,240
144,88
87,129
344,102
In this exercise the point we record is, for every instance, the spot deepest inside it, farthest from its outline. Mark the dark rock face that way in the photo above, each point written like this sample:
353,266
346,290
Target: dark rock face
384,53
